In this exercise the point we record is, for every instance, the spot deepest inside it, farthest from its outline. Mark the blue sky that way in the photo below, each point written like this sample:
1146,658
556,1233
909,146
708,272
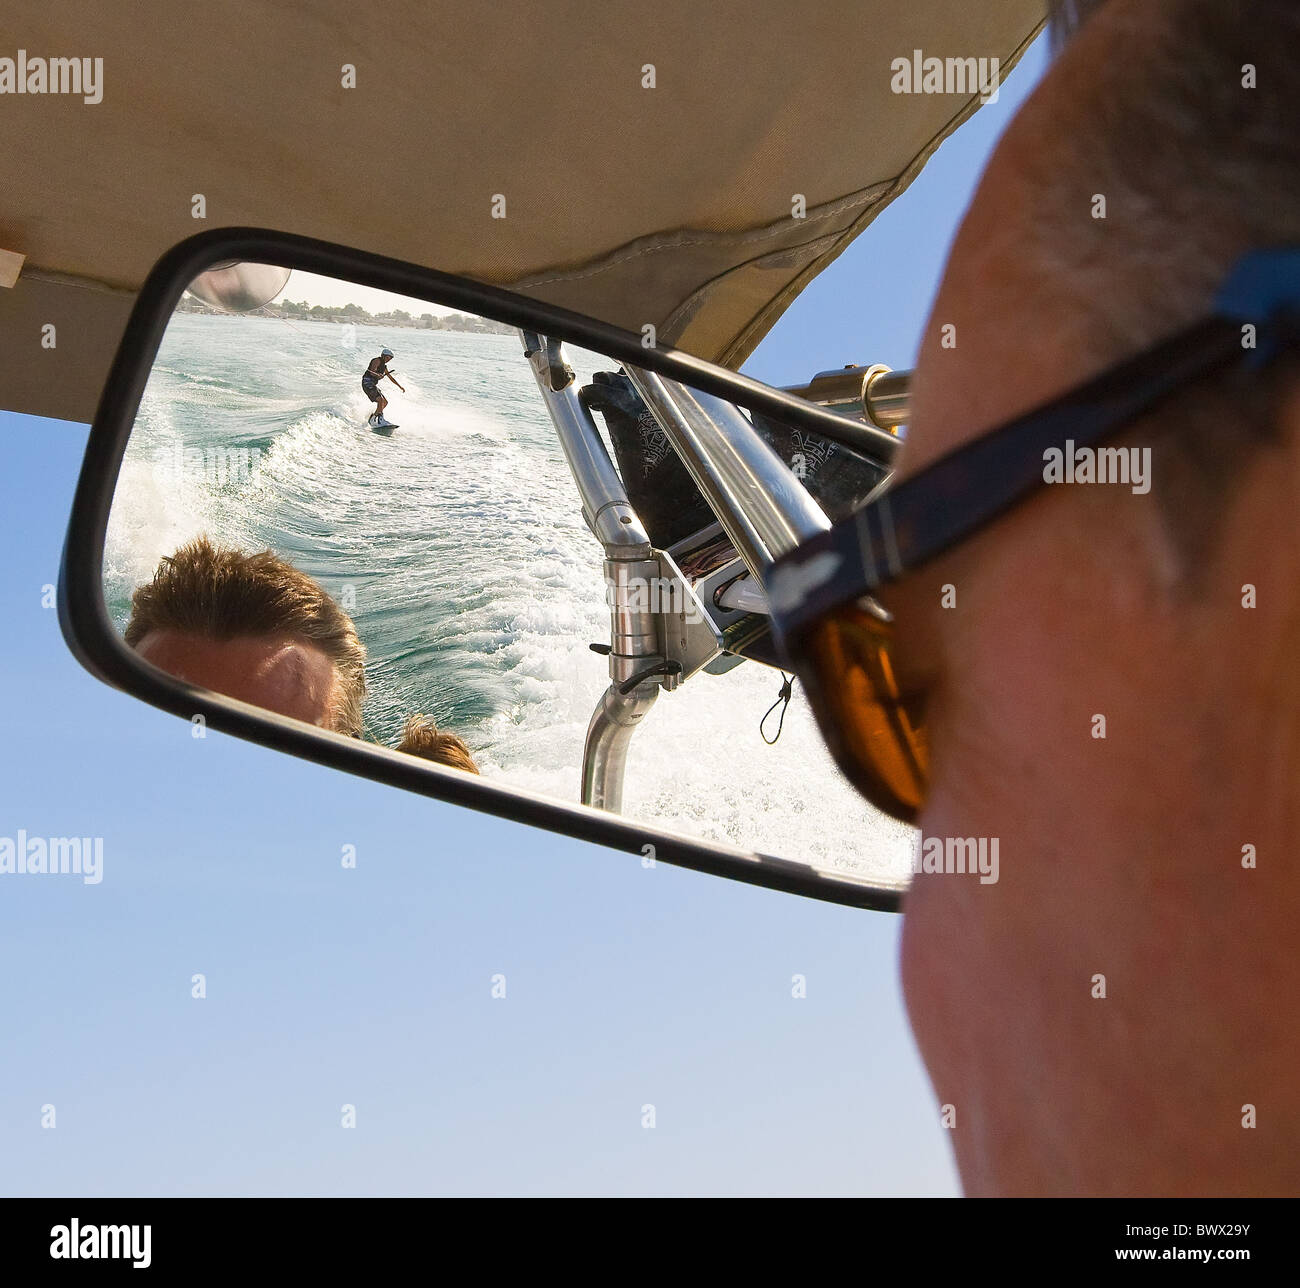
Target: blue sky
372,987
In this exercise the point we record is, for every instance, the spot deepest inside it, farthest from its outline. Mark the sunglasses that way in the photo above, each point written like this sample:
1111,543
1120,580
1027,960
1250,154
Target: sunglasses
840,641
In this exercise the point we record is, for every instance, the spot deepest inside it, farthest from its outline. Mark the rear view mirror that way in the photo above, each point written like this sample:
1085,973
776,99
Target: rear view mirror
484,549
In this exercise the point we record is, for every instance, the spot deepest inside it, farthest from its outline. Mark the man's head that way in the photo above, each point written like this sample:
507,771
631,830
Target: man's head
423,738
1104,703
386,354
252,627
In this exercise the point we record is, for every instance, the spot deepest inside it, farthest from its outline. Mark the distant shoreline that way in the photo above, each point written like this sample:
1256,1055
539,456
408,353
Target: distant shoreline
354,315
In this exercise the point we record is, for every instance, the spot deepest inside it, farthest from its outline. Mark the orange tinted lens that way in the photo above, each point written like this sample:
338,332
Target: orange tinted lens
876,733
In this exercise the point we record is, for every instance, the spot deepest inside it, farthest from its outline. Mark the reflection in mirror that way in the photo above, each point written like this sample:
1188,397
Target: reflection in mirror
483,549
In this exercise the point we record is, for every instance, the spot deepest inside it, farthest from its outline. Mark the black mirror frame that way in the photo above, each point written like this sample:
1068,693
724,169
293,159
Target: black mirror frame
93,640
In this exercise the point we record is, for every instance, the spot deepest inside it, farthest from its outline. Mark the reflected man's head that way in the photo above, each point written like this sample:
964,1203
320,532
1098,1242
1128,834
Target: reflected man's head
252,627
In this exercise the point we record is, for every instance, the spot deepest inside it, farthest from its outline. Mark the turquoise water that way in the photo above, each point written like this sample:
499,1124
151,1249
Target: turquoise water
457,546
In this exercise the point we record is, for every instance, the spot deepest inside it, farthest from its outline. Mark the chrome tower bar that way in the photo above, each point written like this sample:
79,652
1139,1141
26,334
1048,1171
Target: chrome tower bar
764,510
634,636
762,507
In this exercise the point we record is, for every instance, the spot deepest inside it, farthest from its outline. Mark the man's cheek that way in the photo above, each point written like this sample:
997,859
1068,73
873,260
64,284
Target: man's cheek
945,1007
938,985
917,956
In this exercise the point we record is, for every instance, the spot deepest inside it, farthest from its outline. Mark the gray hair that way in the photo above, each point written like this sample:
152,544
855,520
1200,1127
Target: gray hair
1189,135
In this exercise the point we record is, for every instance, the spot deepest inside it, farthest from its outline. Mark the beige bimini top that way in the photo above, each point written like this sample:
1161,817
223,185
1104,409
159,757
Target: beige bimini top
651,156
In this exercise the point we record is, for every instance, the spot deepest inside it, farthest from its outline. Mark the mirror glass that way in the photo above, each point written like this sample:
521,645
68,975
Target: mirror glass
367,512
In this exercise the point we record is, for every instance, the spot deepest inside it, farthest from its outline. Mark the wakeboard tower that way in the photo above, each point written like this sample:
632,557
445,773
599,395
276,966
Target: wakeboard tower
686,551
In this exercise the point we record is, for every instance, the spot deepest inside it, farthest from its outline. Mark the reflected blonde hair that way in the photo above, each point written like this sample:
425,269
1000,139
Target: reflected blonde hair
423,738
